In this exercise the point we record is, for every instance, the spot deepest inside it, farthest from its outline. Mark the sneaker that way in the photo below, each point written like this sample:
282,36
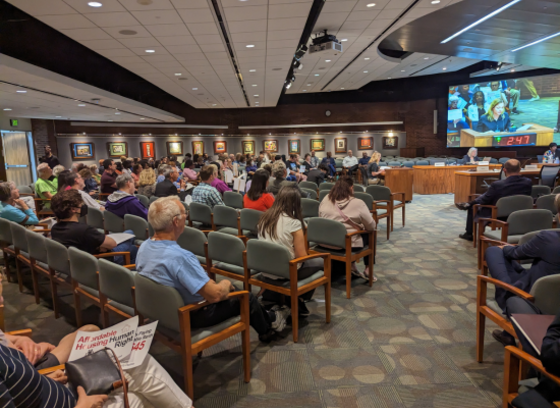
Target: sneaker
268,337
536,98
462,206
556,130
303,311
503,337
467,237
281,314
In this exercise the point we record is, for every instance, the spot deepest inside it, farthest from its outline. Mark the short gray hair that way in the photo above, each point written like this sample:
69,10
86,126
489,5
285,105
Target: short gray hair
41,168
123,180
472,149
167,170
278,169
57,170
162,211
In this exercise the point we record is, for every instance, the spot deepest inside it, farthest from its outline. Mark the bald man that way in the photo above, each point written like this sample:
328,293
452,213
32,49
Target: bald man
514,184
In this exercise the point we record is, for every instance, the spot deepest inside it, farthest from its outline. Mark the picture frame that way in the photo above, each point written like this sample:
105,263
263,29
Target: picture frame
82,151
294,146
117,149
174,148
317,144
198,147
390,142
220,146
365,143
270,146
147,150
248,146
340,145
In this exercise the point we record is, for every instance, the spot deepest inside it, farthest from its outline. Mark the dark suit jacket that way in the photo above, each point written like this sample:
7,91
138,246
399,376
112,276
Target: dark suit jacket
165,188
544,249
513,185
550,351
467,159
328,161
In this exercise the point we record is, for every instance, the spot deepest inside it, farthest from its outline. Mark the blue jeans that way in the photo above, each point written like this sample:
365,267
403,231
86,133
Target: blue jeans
332,170
126,246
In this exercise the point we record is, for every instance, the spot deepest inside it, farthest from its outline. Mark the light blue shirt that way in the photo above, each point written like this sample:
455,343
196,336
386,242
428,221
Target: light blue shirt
167,263
14,214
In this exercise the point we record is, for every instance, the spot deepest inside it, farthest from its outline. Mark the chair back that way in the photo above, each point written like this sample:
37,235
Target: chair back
95,218
309,207
308,184
225,216
169,301
539,190
408,164
523,221
422,163
193,240
382,163
546,202
249,219
326,186
57,256
338,163
233,199
310,193
143,199
366,198
507,205
556,190
152,199
540,158
269,258
548,175
5,231
503,175
36,245
201,213
112,222
138,225
83,268
225,248
546,291
323,194
25,190
503,159
116,282
530,235
19,236
359,189
328,232
379,192
493,161
394,163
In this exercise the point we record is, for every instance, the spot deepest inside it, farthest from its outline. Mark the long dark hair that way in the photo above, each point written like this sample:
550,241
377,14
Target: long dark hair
258,184
287,201
62,177
342,190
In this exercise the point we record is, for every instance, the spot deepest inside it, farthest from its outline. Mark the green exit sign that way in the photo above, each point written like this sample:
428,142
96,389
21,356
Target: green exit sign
13,122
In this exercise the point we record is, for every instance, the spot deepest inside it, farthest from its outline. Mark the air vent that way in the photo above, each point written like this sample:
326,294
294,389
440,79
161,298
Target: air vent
277,69
182,79
128,32
144,2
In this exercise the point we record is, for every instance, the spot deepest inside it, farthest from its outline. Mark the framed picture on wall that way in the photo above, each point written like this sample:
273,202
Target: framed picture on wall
365,143
317,144
294,146
270,146
340,145
390,142
117,149
220,147
174,148
198,148
248,146
82,151
148,150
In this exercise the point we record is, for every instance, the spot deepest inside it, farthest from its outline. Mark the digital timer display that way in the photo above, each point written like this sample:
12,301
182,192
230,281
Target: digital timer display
529,139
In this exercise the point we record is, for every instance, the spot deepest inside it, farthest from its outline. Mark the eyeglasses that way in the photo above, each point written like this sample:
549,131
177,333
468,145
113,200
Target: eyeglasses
180,214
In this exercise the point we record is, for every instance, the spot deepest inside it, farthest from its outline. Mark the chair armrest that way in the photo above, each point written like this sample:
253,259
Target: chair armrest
111,254
24,332
356,233
381,201
399,193
516,291
50,370
308,257
495,242
523,356
131,266
196,306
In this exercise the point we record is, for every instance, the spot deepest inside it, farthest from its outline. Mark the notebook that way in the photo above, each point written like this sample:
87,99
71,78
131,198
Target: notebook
533,327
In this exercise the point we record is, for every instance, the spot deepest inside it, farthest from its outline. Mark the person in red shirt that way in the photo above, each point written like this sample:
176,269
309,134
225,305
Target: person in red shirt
257,198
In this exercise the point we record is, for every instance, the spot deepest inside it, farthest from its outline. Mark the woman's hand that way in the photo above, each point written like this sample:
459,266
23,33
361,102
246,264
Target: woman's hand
58,376
22,204
94,401
32,351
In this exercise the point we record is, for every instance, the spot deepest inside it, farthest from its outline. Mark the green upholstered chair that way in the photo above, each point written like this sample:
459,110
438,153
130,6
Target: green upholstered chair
538,191
388,201
59,270
7,245
309,185
274,259
547,202
310,193
139,227
116,291
112,222
368,200
248,220
323,194
38,259
95,219
19,237
174,327
194,240
310,208
226,220
153,198
143,199
233,199
326,186
359,189
201,217
85,281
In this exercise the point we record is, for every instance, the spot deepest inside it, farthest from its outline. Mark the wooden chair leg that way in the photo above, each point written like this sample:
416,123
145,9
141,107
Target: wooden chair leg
511,377
19,277
78,306
54,292
246,346
328,302
389,218
370,266
295,316
35,285
348,279
480,325
7,266
188,373
403,214
392,220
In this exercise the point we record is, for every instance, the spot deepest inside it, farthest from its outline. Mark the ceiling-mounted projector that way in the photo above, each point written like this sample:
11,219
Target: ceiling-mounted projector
325,43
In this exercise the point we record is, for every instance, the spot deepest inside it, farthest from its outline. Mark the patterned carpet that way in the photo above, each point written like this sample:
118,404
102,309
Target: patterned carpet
408,342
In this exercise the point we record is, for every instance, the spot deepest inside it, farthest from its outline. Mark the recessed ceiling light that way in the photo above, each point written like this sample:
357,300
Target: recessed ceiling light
316,74
110,120
389,78
536,42
341,88
82,104
402,70
327,60
83,133
7,109
373,4
512,70
252,70
256,96
94,4
213,104
365,72
128,32
426,58
444,68
21,91
178,74
305,90
367,58
254,84
308,84
435,2
250,46
195,89
150,51
117,113
344,39
58,116
142,118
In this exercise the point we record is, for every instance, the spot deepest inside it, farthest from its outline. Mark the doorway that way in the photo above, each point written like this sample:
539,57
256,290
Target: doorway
19,157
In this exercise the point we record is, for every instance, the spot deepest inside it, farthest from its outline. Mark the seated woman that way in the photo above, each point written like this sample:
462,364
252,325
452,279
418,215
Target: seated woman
257,198
95,173
10,199
218,183
552,154
371,173
188,173
341,205
496,118
136,170
90,185
472,156
147,183
279,172
283,224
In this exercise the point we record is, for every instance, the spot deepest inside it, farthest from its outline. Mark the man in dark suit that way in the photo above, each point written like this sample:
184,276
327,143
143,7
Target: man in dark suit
330,163
166,187
514,184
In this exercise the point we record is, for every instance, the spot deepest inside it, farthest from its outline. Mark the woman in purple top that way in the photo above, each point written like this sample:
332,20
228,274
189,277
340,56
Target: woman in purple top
217,183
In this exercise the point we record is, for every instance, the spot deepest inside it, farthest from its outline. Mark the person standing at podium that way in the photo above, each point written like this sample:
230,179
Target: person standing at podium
496,119
472,156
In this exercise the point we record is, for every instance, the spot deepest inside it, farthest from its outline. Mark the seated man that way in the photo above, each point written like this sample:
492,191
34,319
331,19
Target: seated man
318,175
330,163
364,161
279,173
162,260
123,201
10,202
75,181
293,169
204,193
514,184
350,163
46,186
168,186
218,183
314,160
68,206
108,178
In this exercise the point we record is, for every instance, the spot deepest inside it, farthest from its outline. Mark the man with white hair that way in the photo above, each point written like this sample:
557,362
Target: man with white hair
123,201
279,173
45,187
162,260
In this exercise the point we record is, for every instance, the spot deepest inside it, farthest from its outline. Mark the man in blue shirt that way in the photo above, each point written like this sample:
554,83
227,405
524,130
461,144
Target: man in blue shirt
330,163
364,160
162,260
10,198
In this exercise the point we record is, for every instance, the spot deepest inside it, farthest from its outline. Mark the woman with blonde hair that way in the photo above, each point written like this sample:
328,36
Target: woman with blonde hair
371,174
147,182
95,173
496,118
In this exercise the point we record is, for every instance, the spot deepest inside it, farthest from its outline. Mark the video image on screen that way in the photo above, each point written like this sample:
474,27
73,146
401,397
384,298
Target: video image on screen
507,113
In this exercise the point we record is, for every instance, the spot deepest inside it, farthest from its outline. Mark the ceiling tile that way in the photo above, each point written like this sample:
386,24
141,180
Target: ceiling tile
116,52
287,23
239,3
157,17
182,49
97,45
153,5
87,34
42,7
197,15
142,51
168,30
115,32
246,13
363,15
338,6
209,39
115,19
242,27
178,40
203,28
67,22
390,13
212,47
288,10
182,4
81,6
140,42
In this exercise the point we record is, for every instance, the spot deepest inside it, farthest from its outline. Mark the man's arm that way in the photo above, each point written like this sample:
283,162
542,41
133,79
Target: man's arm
529,250
214,292
550,350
